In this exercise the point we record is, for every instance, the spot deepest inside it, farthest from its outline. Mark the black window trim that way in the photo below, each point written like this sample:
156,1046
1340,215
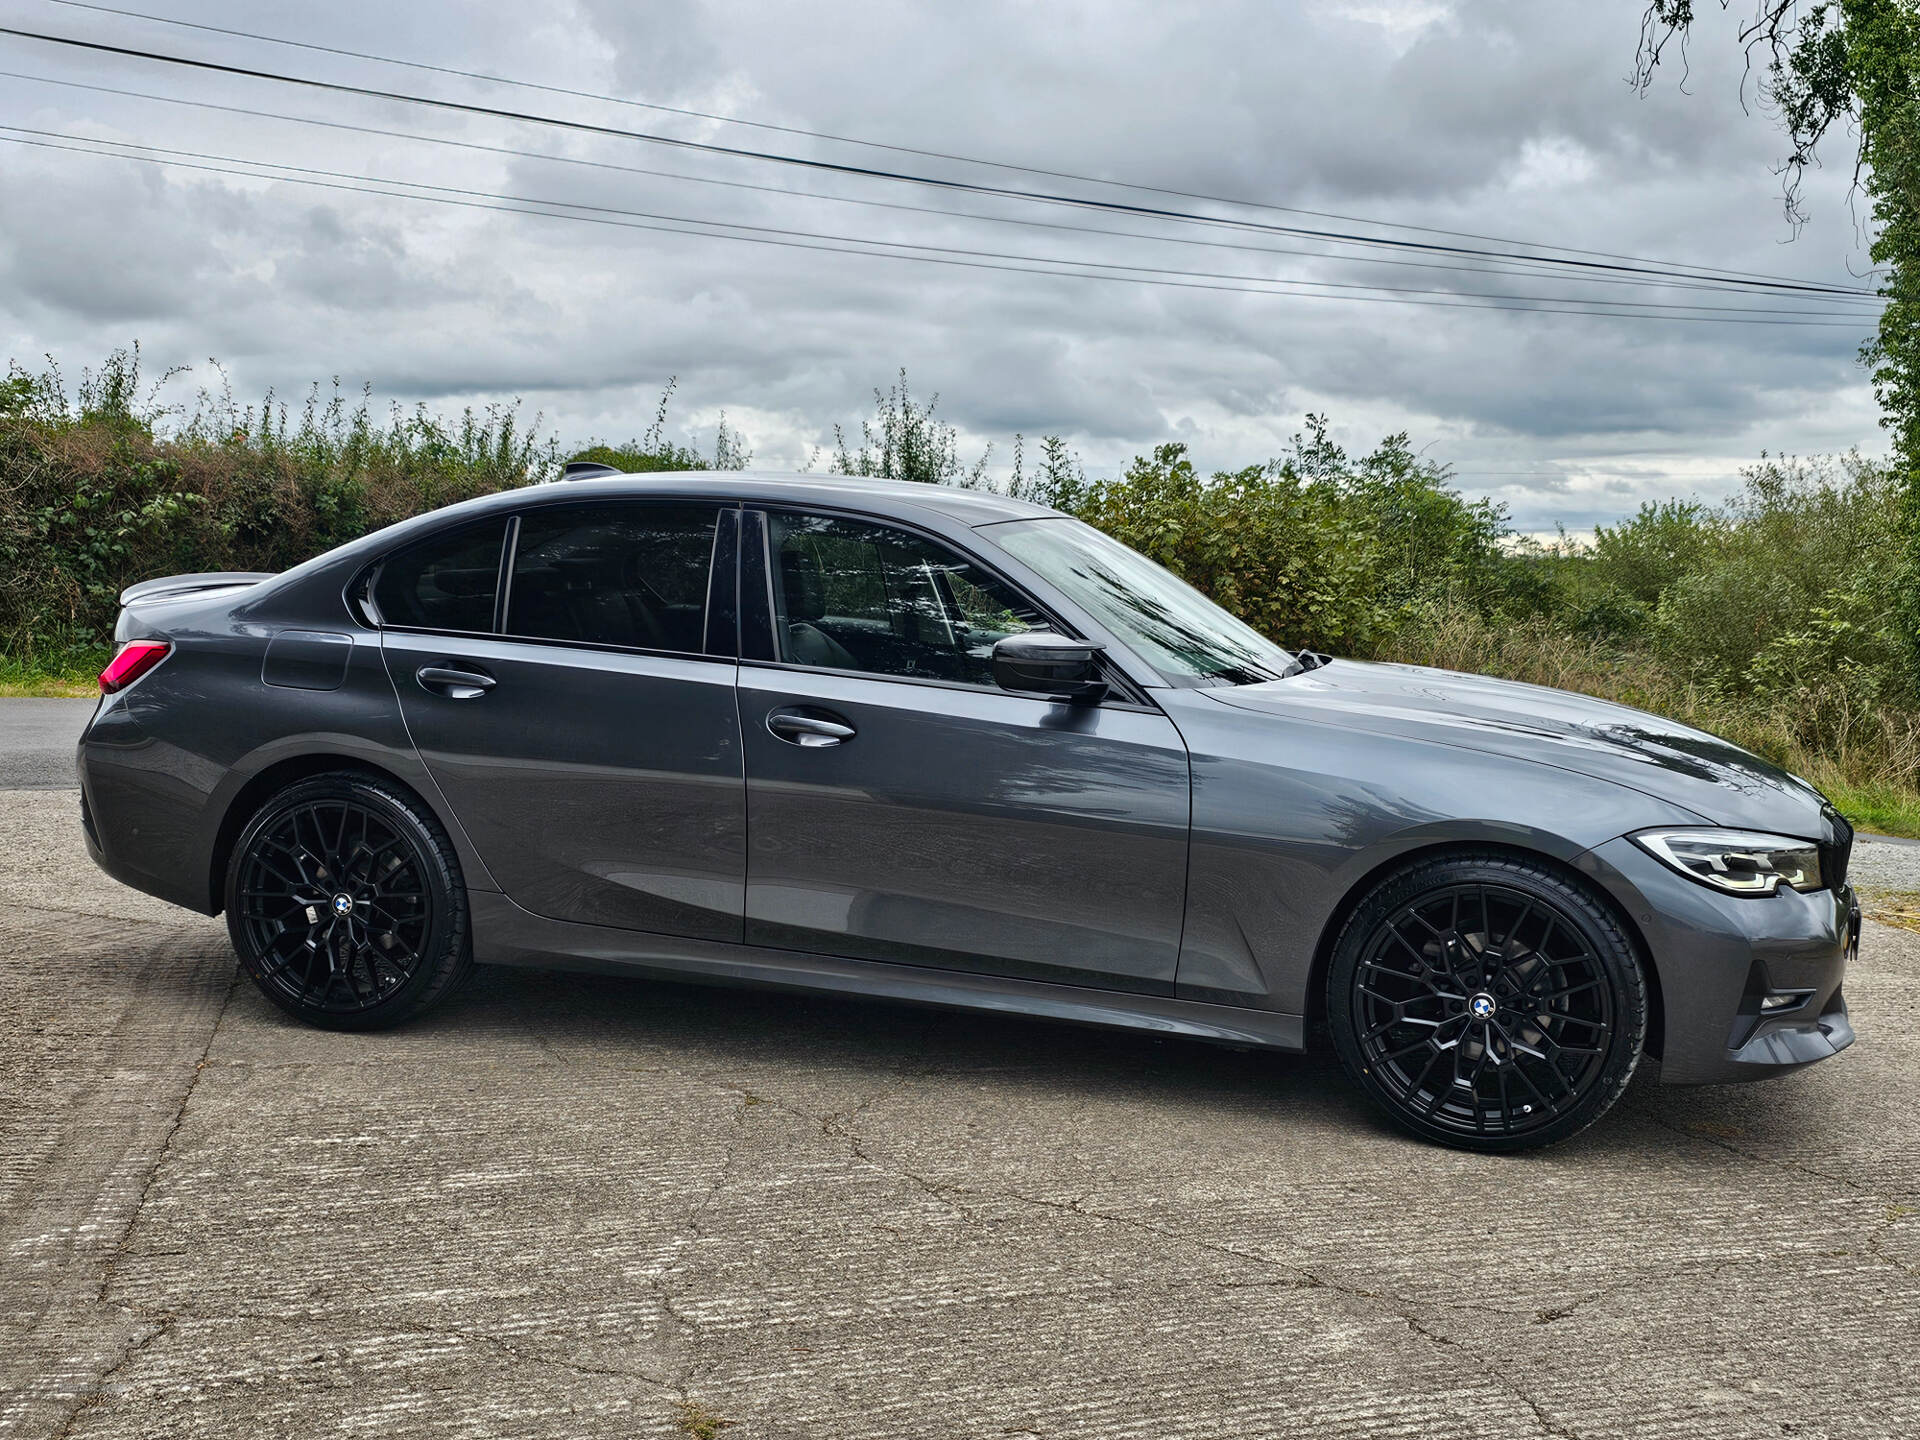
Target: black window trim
503,582
1122,694
369,576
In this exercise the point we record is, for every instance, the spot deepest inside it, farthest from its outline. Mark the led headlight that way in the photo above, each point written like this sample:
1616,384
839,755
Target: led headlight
1737,861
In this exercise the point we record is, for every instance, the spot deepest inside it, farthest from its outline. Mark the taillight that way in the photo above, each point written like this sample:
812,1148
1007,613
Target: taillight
134,659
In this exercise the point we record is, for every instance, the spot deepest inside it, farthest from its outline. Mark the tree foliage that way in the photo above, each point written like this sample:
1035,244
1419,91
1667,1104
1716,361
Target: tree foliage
1853,64
905,441
1315,547
653,452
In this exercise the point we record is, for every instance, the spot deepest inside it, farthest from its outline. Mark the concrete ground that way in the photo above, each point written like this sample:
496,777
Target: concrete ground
598,1207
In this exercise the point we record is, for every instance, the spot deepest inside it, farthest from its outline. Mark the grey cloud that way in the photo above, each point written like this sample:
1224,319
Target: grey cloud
1495,118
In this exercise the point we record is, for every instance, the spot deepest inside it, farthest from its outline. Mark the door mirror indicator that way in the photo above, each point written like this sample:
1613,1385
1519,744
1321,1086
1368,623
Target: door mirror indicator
1042,663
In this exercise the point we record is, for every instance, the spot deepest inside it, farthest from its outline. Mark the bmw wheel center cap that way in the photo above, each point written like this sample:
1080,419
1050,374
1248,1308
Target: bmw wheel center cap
1482,1006
343,904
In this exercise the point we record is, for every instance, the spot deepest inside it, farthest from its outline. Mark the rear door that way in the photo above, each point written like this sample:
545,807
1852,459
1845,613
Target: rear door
575,705
904,808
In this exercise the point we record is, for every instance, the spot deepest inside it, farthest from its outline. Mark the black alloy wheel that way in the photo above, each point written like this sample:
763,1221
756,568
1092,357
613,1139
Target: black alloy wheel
345,904
1487,1002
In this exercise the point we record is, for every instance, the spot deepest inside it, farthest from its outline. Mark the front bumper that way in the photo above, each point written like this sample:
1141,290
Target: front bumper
1749,987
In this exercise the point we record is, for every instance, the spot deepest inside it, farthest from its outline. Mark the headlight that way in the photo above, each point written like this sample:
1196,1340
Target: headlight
1736,861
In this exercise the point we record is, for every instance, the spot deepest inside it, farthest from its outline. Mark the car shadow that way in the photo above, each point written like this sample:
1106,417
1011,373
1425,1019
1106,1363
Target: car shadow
626,1022
706,1026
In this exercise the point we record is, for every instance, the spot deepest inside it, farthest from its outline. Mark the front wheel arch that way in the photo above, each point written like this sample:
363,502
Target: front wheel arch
1316,992
1562,1009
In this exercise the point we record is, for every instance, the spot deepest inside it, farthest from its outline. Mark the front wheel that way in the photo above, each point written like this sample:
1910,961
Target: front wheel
345,903
1487,1002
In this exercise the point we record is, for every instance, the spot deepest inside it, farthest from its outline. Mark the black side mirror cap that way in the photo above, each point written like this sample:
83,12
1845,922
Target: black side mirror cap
1040,662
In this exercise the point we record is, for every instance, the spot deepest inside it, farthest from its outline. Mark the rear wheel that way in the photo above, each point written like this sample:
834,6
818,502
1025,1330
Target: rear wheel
1487,1002
345,904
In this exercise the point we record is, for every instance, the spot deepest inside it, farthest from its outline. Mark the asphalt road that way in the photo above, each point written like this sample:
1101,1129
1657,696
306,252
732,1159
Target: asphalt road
36,742
572,1206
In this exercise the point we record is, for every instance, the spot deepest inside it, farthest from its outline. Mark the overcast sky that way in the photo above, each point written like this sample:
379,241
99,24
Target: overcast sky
1510,120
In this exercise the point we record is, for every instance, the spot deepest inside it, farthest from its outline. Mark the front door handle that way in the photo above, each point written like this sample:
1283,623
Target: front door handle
812,732
453,681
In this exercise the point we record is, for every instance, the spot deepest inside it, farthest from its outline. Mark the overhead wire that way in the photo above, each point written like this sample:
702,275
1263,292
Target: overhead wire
854,245
1484,269
801,132
868,172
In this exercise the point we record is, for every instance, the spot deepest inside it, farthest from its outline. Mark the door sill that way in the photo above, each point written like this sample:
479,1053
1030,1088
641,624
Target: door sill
505,934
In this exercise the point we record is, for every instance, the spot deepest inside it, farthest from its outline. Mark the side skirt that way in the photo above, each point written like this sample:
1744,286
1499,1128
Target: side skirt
505,934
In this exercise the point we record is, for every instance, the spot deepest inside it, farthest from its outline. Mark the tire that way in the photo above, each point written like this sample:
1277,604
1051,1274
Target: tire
345,904
1463,985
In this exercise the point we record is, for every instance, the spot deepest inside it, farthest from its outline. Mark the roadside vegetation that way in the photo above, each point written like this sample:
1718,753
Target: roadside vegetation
1772,619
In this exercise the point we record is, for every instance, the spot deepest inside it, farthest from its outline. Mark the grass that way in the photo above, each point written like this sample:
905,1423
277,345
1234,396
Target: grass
69,675
1892,907
699,1423
1877,809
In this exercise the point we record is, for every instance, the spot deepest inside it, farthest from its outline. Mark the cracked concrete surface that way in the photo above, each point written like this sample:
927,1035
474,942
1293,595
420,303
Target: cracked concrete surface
564,1205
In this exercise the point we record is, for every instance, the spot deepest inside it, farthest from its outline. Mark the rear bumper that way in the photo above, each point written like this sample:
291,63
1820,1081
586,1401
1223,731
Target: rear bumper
1749,987
143,824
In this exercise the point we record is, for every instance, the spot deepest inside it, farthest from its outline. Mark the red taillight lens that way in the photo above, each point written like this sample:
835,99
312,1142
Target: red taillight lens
136,657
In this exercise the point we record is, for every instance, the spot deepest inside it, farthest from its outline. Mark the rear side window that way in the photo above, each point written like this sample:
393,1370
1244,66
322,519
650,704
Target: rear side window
631,573
447,582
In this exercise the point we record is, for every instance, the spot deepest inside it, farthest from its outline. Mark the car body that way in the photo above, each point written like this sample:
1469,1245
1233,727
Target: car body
706,772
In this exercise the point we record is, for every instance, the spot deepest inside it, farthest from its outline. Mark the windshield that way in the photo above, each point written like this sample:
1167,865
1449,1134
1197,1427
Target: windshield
1165,621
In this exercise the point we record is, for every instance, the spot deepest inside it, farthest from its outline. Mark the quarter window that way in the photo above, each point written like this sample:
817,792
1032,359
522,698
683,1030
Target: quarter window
626,573
446,582
849,595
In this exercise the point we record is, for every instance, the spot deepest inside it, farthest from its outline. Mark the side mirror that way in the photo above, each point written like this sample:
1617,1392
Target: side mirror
1042,663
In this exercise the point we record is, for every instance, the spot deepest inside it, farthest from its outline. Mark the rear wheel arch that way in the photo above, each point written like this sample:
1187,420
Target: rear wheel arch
276,777
1357,892
346,903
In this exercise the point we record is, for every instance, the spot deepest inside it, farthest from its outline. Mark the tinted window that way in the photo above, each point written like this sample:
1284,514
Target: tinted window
849,595
624,572
445,583
1169,624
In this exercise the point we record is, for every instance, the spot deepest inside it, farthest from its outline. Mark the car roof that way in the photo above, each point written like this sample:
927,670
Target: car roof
903,500
969,507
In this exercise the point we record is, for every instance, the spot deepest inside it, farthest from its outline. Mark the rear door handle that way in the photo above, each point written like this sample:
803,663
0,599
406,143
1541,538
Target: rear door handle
812,732
453,681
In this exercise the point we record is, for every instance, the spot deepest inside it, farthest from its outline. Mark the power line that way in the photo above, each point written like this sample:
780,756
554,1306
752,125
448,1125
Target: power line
865,172
848,245
883,145
546,202
1484,269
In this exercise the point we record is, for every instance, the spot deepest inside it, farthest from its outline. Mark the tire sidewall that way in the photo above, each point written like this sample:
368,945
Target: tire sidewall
431,851
1574,905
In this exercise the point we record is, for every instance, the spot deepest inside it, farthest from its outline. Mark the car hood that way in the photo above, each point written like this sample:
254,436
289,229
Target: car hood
1718,781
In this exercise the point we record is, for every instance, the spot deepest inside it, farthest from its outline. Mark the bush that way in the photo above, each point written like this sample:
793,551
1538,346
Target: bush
1314,548
109,487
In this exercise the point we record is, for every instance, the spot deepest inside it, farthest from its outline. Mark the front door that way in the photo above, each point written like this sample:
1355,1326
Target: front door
901,807
581,721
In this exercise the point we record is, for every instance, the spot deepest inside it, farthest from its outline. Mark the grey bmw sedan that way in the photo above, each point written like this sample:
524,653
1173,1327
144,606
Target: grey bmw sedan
943,746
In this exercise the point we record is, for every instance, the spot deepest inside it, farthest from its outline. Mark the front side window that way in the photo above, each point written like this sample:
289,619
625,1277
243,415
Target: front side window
852,595
628,573
1165,621
445,582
